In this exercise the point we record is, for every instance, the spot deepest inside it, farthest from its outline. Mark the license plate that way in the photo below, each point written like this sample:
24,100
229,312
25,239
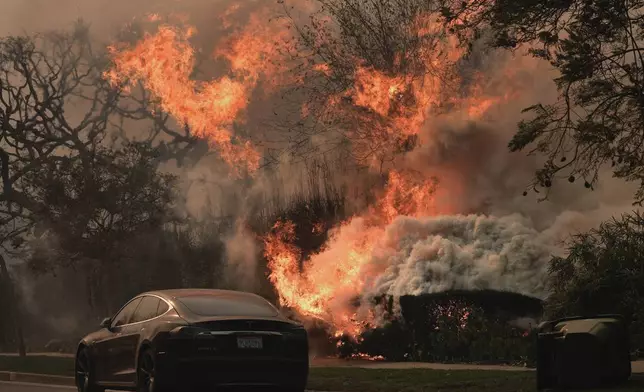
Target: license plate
252,343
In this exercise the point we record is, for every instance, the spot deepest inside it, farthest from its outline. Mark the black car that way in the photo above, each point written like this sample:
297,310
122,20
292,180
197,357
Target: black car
177,340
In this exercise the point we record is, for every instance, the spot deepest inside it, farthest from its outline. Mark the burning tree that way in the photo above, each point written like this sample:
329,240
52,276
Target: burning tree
371,71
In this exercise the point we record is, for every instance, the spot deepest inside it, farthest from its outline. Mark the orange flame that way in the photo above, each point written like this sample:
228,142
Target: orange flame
377,91
389,106
334,277
407,195
253,51
164,61
319,285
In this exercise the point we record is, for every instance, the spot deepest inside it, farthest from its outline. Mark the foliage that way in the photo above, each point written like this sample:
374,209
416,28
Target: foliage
38,77
90,212
603,273
63,130
342,38
76,189
379,34
453,327
595,46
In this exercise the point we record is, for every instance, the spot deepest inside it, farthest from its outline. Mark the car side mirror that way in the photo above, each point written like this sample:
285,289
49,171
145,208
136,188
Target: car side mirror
106,323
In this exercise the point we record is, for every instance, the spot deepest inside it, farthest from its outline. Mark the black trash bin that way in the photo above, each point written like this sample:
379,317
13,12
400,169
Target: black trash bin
583,352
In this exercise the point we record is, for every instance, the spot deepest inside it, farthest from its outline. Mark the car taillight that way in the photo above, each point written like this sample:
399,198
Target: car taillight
297,332
189,332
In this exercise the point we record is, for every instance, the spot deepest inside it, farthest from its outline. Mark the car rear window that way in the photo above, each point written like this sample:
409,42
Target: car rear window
210,305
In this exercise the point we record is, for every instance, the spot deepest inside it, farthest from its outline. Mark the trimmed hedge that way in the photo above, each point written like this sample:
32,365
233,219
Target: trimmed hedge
456,326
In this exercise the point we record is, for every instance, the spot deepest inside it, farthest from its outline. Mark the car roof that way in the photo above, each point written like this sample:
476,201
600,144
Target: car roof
171,294
174,296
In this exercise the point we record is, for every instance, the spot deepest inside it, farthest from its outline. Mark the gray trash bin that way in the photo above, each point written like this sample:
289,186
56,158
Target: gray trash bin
583,352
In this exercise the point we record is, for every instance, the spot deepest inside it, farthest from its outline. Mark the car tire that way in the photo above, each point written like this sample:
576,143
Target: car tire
146,372
84,369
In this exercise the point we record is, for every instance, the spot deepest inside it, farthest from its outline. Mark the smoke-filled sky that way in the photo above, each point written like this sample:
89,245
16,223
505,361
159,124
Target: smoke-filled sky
505,247
477,152
105,16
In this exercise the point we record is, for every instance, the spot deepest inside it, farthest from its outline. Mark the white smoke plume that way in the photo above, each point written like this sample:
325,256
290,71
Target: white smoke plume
469,252
414,256
241,258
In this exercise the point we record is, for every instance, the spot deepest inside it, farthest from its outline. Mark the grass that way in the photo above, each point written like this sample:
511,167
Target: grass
416,380
58,366
427,380
352,379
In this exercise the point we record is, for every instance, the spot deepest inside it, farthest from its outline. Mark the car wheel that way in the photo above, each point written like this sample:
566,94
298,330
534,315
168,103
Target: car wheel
147,380
84,373
146,372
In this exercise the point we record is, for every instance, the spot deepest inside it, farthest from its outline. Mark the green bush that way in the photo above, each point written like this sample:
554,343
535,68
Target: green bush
603,273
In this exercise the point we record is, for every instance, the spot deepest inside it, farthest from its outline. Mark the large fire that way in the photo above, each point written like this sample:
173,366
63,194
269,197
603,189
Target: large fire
326,284
164,62
331,279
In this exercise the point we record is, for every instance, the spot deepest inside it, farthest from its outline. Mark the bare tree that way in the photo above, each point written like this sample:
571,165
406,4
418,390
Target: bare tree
41,80
71,180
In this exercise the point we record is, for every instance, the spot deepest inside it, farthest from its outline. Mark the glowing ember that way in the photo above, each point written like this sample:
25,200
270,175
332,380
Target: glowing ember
367,357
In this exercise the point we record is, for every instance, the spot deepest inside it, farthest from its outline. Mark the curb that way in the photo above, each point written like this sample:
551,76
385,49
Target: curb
37,378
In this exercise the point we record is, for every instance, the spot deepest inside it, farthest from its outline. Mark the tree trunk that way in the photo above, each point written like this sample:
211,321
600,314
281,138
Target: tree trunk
14,309
22,349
